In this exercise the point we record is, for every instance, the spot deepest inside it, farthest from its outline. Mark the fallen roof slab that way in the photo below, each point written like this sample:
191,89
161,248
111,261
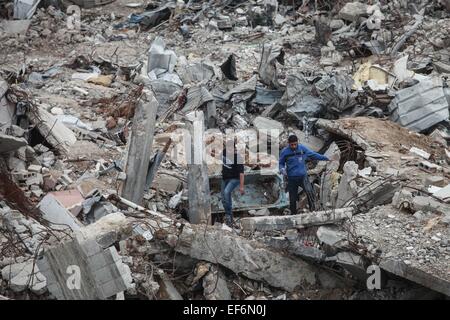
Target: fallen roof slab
249,258
415,274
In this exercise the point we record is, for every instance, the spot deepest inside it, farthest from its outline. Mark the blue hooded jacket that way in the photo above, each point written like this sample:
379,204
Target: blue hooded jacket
294,160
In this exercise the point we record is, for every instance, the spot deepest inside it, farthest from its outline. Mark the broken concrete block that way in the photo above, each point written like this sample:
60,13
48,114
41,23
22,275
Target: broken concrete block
35,180
39,148
421,203
16,164
9,143
21,276
215,285
55,212
35,168
429,167
49,182
402,199
68,198
261,212
65,179
420,152
167,289
310,141
37,193
56,133
167,183
352,11
330,178
15,26
444,193
348,188
224,24
101,269
332,236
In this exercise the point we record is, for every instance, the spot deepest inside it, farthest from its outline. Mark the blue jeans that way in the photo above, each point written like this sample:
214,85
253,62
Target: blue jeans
228,186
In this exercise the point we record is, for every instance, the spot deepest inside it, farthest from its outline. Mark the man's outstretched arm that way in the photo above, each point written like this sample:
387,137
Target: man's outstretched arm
314,155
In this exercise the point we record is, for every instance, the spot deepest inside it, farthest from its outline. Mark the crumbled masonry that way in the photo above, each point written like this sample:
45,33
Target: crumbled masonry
112,123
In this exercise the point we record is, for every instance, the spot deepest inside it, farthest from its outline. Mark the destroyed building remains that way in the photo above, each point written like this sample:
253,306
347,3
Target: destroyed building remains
113,115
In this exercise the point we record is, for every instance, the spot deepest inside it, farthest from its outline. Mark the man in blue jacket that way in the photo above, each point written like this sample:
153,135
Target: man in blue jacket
292,164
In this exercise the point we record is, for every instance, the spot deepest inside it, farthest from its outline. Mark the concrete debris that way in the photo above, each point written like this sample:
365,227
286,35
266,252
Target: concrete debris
296,221
9,143
420,152
110,161
103,273
215,286
15,26
21,276
332,236
267,69
352,11
245,257
348,188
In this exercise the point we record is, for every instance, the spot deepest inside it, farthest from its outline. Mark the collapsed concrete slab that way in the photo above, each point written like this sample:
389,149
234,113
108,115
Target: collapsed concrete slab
426,279
246,257
409,247
88,267
295,221
57,134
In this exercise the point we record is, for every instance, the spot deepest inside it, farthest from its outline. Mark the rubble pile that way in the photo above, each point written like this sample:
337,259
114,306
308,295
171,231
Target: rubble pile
101,105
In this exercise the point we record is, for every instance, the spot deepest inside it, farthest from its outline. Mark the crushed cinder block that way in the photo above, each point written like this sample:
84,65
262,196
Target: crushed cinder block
35,180
65,180
429,167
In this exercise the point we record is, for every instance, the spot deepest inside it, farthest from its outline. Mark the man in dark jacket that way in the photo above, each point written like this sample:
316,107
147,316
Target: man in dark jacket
292,164
232,177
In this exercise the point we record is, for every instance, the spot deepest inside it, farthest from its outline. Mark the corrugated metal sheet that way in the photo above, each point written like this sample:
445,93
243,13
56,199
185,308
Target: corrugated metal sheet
421,106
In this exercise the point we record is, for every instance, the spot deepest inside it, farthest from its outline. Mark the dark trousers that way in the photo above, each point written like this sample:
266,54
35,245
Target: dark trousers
293,184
